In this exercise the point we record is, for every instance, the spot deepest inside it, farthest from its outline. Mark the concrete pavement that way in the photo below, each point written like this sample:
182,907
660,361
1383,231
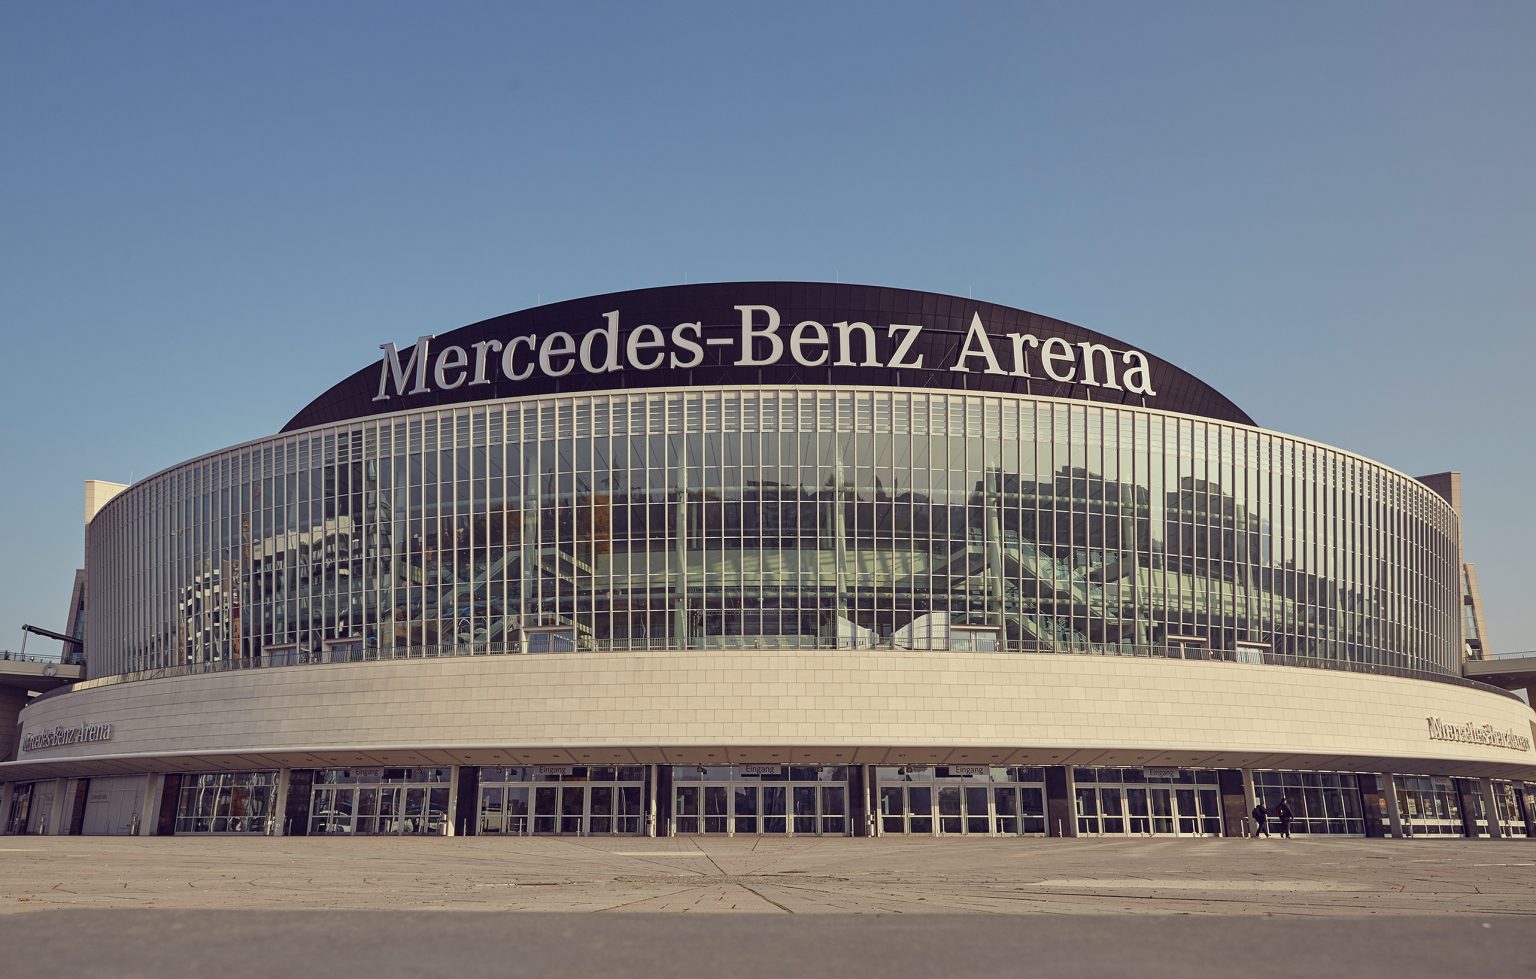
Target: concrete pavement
1301,877
234,908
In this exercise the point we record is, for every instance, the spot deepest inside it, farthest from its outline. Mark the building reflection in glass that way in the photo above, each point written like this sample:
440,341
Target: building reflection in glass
774,518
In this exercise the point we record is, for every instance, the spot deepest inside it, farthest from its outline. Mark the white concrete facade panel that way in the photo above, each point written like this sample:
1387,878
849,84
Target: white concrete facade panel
684,706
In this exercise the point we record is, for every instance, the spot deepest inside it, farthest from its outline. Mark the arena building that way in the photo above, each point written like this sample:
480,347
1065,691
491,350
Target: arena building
774,558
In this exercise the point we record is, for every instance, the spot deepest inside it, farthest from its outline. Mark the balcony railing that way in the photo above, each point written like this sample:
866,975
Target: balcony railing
290,657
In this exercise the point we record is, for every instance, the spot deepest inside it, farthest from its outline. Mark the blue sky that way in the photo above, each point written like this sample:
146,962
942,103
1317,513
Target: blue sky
211,212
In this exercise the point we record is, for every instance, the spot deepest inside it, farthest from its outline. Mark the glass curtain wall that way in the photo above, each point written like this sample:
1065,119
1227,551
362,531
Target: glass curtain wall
226,802
1322,802
773,518
21,808
1511,801
1429,805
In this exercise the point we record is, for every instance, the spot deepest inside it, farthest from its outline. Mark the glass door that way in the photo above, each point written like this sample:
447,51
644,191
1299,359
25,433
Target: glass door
685,810
1139,822
1189,817
766,808
631,820
1162,809
1112,809
949,810
983,803
978,816
919,809
545,803
746,808
523,800
600,809
389,810
834,812
805,808
717,802
1006,804
573,809
1210,812
1087,811
775,814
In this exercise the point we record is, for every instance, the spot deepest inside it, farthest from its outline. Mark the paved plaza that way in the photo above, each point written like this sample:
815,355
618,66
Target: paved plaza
764,875
93,906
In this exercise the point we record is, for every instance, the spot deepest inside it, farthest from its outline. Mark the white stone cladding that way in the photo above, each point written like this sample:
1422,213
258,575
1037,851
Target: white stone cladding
746,706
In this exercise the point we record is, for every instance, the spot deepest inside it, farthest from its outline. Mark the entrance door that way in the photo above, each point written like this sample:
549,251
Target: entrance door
1006,805
565,809
1087,811
1112,807
717,808
950,813
573,809
685,809
834,810
546,803
1139,822
1162,809
745,802
755,807
600,809
1143,810
775,810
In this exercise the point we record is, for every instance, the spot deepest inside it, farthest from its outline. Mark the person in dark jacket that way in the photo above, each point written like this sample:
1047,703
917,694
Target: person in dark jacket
1260,820
1283,810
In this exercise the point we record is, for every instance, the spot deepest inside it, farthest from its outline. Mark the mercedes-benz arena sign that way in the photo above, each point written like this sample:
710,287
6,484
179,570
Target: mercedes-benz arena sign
778,333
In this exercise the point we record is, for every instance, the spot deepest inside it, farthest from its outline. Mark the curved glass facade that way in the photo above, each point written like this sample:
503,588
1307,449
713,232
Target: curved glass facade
747,517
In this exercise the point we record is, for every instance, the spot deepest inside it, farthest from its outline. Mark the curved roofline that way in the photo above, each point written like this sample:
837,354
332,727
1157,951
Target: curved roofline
935,336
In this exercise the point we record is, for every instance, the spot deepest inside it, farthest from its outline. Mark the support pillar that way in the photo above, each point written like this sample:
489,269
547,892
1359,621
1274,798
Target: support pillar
149,805
1060,802
1467,800
1394,813
872,801
858,802
279,817
661,801
1491,809
296,791
81,798
1525,795
465,804
170,801
1236,786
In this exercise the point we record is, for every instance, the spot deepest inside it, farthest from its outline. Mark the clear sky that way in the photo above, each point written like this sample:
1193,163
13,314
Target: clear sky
212,212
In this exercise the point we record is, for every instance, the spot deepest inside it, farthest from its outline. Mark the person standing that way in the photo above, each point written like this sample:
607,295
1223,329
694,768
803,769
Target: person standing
1260,820
1284,812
